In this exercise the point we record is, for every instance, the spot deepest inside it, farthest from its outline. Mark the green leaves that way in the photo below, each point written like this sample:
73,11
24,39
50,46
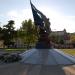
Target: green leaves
27,32
8,33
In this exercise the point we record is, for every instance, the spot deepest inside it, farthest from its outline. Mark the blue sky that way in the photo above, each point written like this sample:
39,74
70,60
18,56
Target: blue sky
60,12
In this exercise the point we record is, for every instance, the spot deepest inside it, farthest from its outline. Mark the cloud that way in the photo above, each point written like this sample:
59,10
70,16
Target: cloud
12,13
19,16
58,21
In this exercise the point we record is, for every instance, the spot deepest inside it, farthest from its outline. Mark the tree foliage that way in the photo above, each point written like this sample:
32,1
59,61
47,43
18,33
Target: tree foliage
8,33
72,39
28,32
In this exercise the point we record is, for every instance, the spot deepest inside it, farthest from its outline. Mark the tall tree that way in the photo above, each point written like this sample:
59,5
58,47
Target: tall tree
28,32
8,33
1,34
72,39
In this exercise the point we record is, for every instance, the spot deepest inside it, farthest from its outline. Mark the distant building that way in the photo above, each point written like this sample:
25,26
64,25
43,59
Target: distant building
62,38
62,34
1,44
19,43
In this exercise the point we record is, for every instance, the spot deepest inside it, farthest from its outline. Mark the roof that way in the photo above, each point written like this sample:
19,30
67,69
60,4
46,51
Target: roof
57,33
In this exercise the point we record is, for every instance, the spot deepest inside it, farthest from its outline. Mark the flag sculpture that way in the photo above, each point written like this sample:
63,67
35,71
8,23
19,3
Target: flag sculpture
43,23
40,19
43,54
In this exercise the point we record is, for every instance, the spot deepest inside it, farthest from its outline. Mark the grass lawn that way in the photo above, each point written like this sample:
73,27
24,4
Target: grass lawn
69,51
15,49
12,50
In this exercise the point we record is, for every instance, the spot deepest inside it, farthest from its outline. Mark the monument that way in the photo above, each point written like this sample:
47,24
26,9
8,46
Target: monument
44,60
42,22
43,54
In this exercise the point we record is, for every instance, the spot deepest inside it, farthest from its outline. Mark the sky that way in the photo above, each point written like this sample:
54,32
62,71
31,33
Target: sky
61,13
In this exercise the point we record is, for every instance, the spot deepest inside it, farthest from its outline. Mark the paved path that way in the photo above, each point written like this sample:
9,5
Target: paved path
29,69
46,57
22,69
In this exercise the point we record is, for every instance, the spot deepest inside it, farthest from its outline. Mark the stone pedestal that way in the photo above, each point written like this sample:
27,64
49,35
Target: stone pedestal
43,41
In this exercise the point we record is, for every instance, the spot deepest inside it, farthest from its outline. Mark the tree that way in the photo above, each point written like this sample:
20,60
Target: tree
72,39
61,41
28,32
8,33
1,33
